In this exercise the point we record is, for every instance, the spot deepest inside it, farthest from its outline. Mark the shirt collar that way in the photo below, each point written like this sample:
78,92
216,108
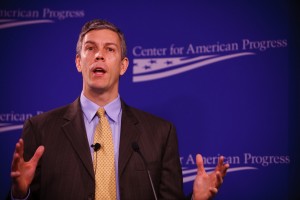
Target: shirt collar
89,108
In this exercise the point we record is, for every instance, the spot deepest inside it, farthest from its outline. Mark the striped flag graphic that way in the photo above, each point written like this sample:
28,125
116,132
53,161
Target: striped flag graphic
148,69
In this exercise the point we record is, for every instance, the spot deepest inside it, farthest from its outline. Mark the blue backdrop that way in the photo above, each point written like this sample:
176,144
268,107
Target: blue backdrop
224,72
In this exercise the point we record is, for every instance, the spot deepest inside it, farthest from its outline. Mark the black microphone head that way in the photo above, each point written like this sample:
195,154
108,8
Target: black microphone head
97,146
135,147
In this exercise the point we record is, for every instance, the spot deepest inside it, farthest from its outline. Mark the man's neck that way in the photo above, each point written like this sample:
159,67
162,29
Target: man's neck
100,99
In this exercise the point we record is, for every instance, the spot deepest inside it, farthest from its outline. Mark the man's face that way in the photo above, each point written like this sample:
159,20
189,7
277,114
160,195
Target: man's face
100,62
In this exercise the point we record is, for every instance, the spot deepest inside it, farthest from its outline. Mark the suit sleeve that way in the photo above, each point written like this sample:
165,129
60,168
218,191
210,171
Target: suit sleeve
31,143
171,186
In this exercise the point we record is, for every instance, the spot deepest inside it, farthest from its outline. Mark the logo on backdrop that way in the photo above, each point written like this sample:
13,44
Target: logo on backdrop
14,121
155,63
19,17
247,161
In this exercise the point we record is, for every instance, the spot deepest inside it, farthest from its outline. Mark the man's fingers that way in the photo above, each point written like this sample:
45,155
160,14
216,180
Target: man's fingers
18,155
223,169
15,174
200,165
37,155
20,147
213,190
220,162
15,162
219,179
221,166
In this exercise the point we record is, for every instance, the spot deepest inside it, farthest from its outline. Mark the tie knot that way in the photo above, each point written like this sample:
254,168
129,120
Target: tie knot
101,112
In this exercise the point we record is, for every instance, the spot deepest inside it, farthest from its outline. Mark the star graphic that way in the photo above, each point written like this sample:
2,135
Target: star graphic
169,62
147,67
152,61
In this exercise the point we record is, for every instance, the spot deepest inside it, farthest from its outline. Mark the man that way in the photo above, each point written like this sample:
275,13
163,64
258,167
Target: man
54,158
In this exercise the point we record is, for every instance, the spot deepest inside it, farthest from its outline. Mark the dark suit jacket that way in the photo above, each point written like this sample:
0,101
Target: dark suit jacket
65,170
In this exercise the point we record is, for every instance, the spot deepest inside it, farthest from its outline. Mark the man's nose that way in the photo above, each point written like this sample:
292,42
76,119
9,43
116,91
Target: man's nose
99,56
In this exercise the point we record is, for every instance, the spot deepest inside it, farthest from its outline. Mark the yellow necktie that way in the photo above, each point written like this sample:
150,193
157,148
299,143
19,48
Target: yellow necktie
104,163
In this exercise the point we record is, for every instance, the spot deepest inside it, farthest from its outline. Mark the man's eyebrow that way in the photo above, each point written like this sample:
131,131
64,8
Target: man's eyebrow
90,42
111,43
105,44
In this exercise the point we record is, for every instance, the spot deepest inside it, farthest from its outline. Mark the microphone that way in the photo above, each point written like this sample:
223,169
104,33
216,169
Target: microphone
96,146
136,148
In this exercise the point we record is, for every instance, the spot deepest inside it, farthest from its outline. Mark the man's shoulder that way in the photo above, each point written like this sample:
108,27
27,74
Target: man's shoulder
58,112
142,115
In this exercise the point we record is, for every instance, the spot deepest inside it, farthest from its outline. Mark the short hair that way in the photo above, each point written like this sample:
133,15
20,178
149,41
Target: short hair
98,24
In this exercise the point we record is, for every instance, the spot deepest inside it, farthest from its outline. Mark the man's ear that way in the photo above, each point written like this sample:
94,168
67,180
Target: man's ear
124,65
77,61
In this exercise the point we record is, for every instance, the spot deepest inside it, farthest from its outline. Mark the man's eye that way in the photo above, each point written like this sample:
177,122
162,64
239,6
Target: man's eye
90,48
110,49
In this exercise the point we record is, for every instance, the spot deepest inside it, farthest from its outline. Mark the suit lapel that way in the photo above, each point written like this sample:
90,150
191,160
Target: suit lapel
129,134
75,131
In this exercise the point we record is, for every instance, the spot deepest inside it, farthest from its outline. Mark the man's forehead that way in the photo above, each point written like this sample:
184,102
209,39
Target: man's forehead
101,35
